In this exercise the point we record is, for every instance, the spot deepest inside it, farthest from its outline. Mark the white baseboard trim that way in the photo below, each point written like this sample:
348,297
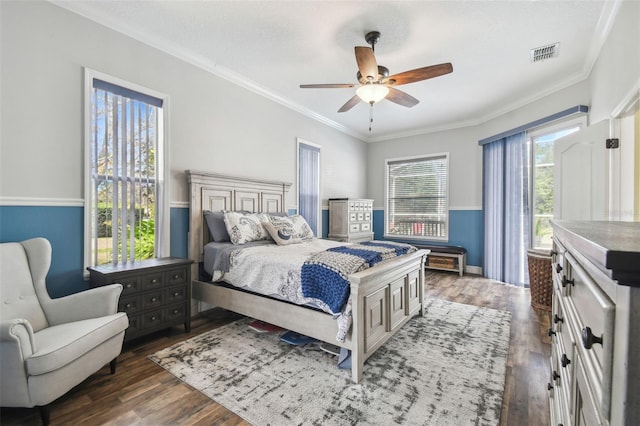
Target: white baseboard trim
477,270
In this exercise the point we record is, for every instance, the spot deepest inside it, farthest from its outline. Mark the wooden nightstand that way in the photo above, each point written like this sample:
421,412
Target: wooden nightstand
156,292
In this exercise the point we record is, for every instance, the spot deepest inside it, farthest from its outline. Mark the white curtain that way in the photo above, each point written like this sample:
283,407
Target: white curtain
507,214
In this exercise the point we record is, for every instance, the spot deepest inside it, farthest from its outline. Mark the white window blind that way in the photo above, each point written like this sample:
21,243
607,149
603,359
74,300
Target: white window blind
417,198
125,133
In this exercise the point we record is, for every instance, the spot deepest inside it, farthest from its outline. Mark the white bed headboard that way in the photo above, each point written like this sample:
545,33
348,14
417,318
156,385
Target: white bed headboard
212,191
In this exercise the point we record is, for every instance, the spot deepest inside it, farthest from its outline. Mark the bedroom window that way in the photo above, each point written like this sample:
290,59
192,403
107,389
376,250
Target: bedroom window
309,184
417,192
125,213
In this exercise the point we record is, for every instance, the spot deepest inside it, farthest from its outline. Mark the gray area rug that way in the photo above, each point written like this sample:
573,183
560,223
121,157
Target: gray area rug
446,368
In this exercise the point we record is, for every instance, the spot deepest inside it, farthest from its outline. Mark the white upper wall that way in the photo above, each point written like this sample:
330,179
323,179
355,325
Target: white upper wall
214,125
615,74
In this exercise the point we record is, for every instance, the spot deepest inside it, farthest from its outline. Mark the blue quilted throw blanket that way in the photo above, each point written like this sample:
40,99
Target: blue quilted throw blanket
325,275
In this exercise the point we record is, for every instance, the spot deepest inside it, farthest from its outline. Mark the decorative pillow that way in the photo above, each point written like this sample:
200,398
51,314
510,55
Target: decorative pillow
243,228
282,233
302,228
217,228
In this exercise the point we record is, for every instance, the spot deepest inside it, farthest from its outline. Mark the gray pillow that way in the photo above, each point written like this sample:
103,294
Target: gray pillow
217,228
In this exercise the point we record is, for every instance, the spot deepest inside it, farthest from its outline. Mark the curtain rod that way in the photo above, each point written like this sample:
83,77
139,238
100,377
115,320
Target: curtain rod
562,114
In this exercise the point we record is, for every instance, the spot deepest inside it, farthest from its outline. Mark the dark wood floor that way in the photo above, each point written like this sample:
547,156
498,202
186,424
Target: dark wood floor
142,393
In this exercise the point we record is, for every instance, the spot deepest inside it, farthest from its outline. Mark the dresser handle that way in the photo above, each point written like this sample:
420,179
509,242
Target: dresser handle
558,268
549,386
128,305
176,294
176,276
153,299
129,285
175,311
566,281
565,361
555,376
557,319
154,281
588,339
551,332
153,318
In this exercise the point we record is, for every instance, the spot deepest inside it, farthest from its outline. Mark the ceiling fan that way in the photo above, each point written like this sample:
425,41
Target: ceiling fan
374,80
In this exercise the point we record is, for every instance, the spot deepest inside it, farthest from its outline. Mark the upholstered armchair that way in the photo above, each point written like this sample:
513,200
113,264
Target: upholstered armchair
48,346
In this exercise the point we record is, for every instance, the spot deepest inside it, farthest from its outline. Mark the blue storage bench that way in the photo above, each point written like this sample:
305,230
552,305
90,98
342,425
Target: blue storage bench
445,258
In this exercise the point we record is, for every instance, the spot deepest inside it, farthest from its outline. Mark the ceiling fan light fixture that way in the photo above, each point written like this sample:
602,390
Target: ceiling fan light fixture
372,93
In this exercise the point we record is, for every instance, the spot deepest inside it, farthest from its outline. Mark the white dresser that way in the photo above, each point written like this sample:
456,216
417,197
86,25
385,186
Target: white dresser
350,219
595,334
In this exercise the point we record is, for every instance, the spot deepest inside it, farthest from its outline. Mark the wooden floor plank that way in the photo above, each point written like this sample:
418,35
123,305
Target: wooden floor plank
143,393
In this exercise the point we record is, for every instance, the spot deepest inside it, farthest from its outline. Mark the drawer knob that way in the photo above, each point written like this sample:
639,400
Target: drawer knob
549,386
153,299
175,311
154,281
176,294
555,376
153,318
565,361
176,276
588,338
128,305
551,332
566,281
129,285
557,319
558,268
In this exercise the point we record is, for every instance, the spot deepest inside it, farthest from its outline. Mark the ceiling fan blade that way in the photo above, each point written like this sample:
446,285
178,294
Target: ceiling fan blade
419,74
350,104
326,86
401,98
367,64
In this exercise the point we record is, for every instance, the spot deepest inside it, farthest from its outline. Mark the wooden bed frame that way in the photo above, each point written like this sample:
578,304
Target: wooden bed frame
384,297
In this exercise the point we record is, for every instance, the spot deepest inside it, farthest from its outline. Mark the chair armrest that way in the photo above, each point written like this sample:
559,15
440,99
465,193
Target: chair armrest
17,332
93,303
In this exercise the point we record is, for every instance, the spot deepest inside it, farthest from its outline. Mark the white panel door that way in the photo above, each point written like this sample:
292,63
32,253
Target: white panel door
580,174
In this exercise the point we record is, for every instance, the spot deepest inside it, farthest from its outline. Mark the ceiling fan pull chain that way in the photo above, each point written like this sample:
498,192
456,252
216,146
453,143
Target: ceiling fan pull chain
370,115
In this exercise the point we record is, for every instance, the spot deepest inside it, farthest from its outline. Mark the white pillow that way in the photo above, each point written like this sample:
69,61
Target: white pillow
302,228
245,227
282,233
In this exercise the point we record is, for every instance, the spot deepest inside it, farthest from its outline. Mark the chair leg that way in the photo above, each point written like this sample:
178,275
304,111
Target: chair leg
45,413
112,364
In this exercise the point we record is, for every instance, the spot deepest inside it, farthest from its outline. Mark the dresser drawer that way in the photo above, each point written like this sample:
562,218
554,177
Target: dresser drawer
152,299
176,312
152,319
354,227
175,294
130,305
594,316
151,281
130,284
176,276
564,339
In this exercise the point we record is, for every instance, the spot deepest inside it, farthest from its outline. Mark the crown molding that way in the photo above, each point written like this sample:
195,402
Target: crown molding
603,27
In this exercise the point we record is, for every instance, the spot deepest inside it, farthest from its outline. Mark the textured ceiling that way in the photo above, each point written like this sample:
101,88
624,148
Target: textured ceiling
271,47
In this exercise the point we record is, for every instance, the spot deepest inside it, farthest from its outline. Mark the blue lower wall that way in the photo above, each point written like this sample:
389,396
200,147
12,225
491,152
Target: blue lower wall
64,228
465,229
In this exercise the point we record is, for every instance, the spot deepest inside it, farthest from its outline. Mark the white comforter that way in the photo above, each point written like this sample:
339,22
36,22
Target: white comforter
274,270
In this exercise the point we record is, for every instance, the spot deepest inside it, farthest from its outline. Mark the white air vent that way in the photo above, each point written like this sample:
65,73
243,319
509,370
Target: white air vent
545,52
